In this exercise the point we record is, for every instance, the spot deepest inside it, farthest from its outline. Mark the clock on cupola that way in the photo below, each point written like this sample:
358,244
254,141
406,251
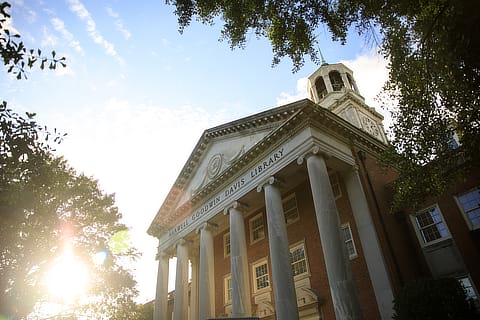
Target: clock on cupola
333,87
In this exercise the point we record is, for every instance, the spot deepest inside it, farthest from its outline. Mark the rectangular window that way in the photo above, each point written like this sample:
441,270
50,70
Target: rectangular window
468,287
469,203
260,272
228,289
430,226
226,244
298,259
335,183
349,243
290,209
257,228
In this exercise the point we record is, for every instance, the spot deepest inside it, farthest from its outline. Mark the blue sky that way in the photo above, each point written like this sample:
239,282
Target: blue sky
137,95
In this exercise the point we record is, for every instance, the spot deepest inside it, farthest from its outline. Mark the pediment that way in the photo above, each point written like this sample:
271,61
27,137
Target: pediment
219,155
217,149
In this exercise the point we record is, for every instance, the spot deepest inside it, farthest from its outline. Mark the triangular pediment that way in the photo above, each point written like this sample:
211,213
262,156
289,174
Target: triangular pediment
217,149
220,154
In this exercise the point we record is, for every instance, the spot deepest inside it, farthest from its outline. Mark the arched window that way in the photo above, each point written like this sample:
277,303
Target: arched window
336,80
320,87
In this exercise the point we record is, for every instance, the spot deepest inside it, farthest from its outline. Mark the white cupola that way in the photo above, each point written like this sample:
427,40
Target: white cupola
333,87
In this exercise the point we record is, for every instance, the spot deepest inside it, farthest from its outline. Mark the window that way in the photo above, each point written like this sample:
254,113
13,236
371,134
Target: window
290,209
227,288
470,204
257,228
320,87
336,80
468,287
349,243
430,226
260,274
298,259
335,183
226,244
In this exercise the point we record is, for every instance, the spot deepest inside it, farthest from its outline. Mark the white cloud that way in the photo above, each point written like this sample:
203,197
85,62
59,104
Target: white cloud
136,151
371,73
79,9
300,93
59,26
48,39
119,23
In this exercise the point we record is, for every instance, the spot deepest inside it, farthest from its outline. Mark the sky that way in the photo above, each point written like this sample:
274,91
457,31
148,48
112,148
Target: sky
136,94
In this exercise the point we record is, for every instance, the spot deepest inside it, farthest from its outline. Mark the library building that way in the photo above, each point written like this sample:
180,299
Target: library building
285,214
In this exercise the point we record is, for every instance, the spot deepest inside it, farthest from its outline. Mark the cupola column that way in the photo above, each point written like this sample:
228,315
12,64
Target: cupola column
328,83
161,295
342,288
180,306
283,284
206,280
241,303
346,83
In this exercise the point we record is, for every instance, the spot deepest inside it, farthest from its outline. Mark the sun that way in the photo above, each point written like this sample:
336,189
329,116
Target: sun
68,278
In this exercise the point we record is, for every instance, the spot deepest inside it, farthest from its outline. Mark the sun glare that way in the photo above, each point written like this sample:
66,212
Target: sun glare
68,278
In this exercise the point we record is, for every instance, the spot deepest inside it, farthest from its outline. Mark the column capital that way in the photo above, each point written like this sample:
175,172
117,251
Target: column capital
182,242
272,180
208,226
162,255
314,150
235,205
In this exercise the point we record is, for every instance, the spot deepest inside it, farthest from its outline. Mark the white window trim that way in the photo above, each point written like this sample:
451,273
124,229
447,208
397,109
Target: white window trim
287,198
260,215
347,226
334,177
460,207
294,247
225,289
254,276
225,236
418,233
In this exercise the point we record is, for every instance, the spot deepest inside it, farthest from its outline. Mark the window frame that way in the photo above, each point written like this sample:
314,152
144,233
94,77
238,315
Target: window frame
251,230
335,184
470,225
294,247
226,244
416,227
470,291
254,265
346,226
227,290
286,199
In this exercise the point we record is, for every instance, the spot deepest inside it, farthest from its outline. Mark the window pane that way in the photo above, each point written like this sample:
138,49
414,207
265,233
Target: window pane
290,209
298,261
470,203
261,275
430,225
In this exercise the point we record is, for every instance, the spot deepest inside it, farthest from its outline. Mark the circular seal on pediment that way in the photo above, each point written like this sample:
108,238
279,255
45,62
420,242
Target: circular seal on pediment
214,166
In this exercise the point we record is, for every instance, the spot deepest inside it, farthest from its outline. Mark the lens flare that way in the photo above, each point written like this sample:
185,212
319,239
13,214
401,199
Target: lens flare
68,278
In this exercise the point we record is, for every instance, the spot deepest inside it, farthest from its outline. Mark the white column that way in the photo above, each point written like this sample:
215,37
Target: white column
370,244
194,287
206,280
342,288
241,301
283,285
161,297
180,306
